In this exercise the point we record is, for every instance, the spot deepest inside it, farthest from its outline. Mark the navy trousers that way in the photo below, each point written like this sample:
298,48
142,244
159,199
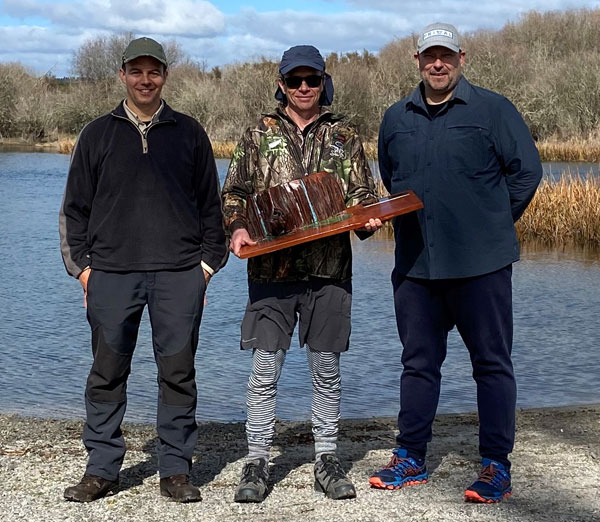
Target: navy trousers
115,305
481,309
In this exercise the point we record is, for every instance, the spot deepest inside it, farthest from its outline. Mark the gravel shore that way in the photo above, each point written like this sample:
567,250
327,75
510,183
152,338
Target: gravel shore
556,473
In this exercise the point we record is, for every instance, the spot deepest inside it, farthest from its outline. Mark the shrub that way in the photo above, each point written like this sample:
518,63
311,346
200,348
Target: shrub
554,81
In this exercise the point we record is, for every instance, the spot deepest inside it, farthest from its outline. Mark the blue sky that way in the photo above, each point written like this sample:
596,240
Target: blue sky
43,34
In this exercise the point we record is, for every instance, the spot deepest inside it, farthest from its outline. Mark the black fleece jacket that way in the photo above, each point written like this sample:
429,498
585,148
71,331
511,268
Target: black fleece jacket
141,202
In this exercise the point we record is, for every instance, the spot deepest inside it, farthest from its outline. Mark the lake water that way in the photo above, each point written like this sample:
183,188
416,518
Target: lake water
558,169
44,337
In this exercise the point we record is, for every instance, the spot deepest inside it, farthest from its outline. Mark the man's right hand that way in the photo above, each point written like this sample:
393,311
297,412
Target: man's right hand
83,280
239,239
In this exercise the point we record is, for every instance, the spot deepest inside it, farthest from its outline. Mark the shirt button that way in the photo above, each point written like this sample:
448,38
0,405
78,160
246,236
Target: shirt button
429,163
431,245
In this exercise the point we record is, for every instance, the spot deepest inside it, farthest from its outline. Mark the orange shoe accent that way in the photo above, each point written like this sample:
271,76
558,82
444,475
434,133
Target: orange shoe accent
376,482
415,482
473,496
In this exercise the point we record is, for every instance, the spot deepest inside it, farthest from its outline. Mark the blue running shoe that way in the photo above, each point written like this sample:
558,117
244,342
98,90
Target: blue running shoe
492,485
401,471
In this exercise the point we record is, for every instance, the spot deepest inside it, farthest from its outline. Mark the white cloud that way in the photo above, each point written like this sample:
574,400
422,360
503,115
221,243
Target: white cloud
162,17
466,15
40,63
40,40
336,32
433,9
39,48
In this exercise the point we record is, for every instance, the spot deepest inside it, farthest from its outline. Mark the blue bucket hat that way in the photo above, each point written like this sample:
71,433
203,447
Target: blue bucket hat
305,56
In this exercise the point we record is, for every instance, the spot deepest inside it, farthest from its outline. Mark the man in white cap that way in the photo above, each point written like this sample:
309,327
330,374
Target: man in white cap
467,153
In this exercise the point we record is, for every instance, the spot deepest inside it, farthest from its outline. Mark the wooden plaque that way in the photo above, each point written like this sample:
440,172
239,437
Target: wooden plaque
351,219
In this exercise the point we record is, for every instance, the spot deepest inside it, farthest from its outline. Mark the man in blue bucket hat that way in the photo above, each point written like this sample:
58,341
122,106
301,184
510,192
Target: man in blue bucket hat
309,283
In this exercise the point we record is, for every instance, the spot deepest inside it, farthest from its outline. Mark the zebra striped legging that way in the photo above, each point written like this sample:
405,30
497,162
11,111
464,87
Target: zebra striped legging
262,395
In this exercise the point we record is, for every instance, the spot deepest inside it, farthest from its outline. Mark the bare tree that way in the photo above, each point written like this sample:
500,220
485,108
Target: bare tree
174,53
99,58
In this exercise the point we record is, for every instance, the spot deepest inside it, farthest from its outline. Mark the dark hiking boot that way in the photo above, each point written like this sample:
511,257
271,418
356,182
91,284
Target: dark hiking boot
253,485
91,488
331,479
178,488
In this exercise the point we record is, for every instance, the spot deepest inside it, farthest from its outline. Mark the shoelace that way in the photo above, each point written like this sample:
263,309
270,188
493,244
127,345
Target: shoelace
333,469
401,463
491,475
254,473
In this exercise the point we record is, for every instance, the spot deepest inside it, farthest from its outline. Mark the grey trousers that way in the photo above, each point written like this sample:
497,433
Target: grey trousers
115,305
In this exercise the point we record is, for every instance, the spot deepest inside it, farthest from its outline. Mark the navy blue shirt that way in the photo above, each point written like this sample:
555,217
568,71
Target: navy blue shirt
475,167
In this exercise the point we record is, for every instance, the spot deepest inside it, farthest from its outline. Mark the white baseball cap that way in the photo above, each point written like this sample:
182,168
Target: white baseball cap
445,35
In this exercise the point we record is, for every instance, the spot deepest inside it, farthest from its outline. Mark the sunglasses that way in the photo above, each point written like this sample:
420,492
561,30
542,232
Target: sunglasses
294,82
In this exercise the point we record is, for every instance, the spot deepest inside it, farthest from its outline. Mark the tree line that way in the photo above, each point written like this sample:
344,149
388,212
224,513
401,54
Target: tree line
547,64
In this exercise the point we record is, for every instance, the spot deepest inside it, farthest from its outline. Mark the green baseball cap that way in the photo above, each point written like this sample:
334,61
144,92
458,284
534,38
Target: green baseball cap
144,47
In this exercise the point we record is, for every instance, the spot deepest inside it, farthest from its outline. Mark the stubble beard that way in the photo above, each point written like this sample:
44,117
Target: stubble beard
442,89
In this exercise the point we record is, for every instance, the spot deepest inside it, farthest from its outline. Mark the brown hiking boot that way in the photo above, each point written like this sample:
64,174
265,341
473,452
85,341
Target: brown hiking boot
178,487
91,488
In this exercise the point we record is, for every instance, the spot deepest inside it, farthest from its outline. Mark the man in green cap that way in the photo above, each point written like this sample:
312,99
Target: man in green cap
141,224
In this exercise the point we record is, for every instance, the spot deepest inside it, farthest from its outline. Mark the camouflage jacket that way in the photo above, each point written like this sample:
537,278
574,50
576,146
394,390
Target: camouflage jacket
275,152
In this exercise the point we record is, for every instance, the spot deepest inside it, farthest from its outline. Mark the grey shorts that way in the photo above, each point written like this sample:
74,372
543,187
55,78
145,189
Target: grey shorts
321,306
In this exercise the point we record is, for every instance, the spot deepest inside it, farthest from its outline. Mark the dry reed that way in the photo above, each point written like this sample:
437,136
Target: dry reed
370,149
223,149
65,146
564,212
570,150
